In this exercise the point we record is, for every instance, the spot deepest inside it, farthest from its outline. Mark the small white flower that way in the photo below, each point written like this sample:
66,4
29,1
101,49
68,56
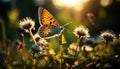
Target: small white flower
107,36
36,37
42,41
86,48
81,31
27,24
41,46
74,47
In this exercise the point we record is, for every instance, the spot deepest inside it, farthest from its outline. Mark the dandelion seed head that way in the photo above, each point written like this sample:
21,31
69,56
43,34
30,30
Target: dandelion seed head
107,36
81,31
27,24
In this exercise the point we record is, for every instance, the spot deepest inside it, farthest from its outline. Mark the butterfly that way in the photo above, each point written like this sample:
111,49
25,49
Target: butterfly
49,26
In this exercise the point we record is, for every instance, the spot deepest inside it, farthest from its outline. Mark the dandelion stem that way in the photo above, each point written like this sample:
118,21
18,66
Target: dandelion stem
78,41
30,32
106,42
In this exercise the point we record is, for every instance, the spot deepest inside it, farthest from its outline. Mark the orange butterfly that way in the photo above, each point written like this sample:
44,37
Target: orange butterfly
49,26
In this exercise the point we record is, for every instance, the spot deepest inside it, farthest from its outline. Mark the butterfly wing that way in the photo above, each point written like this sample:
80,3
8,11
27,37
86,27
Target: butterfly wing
49,26
56,31
49,32
46,18
44,30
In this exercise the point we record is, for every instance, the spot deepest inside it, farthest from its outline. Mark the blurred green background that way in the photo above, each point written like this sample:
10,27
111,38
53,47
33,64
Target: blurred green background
106,14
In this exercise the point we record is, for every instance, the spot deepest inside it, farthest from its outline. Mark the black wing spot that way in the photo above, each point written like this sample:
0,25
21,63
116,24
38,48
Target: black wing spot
51,18
50,23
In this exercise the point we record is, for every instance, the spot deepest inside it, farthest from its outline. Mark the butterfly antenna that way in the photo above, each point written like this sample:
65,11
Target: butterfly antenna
66,28
69,22
65,24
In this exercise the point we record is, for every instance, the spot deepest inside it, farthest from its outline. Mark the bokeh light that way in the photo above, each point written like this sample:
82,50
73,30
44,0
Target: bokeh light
76,4
102,13
105,3
13,15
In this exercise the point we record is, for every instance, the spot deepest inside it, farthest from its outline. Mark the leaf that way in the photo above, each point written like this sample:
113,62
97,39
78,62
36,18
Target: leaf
63,41
70,52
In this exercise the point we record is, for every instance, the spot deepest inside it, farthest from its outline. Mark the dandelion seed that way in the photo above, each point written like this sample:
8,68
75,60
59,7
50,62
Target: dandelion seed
27,24
81,31
107,36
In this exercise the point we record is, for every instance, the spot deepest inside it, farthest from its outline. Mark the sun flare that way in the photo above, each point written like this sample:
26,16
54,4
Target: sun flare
76,4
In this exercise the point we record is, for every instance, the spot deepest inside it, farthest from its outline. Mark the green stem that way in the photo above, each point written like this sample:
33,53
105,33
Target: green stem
61,56
30,32
46,61
3,29
106,43
60,43
22,40
78,42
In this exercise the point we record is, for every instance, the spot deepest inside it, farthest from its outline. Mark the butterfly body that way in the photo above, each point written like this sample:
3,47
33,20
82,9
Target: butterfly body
49,26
